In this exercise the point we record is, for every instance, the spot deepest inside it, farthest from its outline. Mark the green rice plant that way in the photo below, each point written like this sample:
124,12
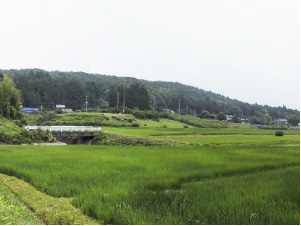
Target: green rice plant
234,139
170,184
13,211
148,131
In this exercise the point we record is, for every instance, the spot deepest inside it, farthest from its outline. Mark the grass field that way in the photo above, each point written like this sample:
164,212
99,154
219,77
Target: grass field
228,184
13,211
235,139
128,120
215,176
157,131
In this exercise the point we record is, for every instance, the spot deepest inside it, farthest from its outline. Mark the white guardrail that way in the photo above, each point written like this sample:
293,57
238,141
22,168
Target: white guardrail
64,128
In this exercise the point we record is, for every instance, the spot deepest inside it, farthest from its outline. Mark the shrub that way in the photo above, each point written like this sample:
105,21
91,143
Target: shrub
204,114
27,137
279,133
46,116
100,138
163,115
145,114
221,116
165,126
59,111
135,124
185,127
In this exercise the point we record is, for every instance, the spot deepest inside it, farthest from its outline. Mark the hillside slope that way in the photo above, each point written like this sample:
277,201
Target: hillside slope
70,88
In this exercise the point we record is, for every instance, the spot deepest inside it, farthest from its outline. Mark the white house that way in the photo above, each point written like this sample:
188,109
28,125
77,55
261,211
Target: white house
282,121
60,106
229,117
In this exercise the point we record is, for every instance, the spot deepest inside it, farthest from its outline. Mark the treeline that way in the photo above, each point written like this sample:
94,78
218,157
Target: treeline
39,87
9,99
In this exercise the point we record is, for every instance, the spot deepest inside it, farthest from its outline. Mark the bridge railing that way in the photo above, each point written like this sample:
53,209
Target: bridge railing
64,128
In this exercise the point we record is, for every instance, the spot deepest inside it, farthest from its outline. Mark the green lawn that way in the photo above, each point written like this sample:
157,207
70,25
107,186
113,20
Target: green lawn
166,185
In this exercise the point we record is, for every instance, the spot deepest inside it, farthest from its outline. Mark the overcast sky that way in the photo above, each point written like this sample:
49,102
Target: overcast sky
244,49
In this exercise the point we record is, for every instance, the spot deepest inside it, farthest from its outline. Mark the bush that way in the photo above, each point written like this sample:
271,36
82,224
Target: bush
163,115
27,137
185,127
46,116
133,141
145,114
100,138
279,133
135,124
204,114
165,126
221,116
59,111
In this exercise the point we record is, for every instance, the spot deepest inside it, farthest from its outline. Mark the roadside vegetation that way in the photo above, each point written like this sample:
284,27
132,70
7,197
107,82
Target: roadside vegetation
11,133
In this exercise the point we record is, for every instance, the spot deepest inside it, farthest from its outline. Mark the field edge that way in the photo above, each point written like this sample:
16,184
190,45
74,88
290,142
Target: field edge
49,209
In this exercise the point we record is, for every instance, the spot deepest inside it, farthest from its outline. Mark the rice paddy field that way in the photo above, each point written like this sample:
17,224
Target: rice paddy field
216,176
224,184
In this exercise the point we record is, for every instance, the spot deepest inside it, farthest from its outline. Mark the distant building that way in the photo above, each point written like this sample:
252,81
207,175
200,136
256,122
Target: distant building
282,121
29,110
167,111
244,120
104,104
60,106
67,110
229,117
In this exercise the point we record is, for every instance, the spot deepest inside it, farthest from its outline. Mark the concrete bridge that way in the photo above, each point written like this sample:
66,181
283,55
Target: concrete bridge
70,134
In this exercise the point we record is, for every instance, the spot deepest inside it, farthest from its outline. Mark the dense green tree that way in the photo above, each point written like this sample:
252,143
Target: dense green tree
234,110
9,99
221,116
112,96
236,119
293,120
138,97
205,114
40,87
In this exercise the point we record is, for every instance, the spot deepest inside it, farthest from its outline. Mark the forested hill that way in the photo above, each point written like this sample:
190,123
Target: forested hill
39,87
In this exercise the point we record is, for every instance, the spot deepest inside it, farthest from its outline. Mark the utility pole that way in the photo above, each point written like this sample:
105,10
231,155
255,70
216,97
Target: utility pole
41,108
154,102
179,107
86,103
187,110
117,99
123,109
194,112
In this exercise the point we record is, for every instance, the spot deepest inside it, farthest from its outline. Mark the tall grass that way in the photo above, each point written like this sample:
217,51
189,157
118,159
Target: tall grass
122,185
237,139
193,131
